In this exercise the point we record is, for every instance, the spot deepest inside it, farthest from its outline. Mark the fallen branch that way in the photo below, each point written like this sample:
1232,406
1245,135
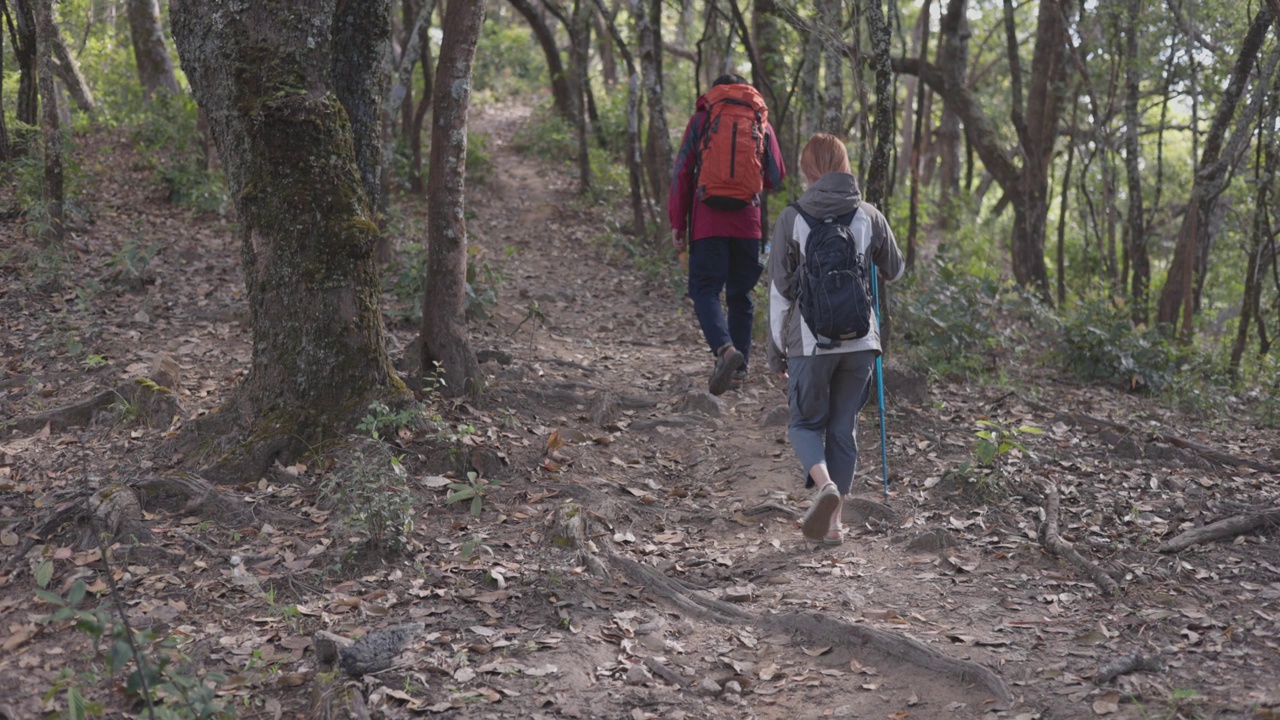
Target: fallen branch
196,496
1054,543
1125,665
1226,528
665,672
767,507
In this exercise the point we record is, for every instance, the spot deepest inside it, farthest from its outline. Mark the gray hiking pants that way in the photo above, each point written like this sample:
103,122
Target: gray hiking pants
826,392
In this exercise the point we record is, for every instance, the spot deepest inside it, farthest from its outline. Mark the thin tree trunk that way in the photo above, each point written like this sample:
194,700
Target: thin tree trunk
419,116
1064,202
580,47
953,54
658,152
1177,294
155,69
635,174
877,186
444,330
811,106
833,113
562,91
6,148
1264,176
409,25
53,232
23,35
1136,252
918,131
304,221
68,71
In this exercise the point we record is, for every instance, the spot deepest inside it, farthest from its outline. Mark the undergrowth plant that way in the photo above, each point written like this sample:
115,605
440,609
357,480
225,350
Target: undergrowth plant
156,672
168,137
368,492
474,489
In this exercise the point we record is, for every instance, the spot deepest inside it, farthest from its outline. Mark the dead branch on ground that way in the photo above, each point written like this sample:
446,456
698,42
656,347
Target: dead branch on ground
1054,543
1225,528
1125,665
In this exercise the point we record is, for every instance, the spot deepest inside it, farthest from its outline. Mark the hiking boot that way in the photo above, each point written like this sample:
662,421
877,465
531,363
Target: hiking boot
738,379
817,522
728,360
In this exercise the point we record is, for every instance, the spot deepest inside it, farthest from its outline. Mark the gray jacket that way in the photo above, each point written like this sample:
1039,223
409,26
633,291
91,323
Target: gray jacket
832,194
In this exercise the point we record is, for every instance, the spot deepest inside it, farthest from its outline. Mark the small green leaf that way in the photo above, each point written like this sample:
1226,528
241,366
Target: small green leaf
476,506
77,592
119,656
1030,430
459,496
51,598
44,573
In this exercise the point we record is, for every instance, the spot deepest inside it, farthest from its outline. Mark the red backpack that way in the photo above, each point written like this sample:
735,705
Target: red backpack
731,154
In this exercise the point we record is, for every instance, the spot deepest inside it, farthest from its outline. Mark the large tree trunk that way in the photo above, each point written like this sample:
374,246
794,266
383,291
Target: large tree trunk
954,54
1177,296
561,90
579,58
305,222
155,69
444,329
658,153
53,230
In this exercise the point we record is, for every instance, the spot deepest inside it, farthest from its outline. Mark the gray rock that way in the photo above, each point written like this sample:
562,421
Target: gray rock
702,402
639,675
733,688
709,687
377,650
777,417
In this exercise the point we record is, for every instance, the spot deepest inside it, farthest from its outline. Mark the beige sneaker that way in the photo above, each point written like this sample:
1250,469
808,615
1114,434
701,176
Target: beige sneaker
817,522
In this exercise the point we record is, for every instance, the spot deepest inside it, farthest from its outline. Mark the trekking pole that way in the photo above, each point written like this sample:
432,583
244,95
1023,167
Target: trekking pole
884,450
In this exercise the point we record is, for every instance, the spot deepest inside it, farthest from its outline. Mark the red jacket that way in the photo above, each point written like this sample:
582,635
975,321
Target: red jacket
708,221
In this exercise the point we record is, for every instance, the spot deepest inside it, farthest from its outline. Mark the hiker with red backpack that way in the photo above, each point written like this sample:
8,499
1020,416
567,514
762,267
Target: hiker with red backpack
728,158
824,337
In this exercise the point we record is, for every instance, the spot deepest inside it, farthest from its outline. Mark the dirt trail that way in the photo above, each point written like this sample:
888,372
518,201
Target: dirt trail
599,399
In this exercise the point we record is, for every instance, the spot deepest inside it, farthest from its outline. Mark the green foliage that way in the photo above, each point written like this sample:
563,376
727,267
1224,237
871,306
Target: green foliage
131,264
508,59
407,281
168,139
27,173
948,320
480,166
997,441
1100,343
154,667
546,135
368,490
474,489
382,418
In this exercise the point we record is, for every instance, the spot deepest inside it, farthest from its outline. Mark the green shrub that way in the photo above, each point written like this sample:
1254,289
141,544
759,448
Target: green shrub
947,320
1098,342
168,139
546,135
369,492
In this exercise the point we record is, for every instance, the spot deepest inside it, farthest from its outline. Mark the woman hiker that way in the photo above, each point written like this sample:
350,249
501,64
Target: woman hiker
826,386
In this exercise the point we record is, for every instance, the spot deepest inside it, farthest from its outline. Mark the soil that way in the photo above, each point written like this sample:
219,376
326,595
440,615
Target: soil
690,592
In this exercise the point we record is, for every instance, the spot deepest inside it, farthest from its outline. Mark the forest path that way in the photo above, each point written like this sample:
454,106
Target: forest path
666,476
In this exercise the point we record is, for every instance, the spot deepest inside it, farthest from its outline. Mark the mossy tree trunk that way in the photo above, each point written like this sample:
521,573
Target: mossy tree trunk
24,23
444,327
264,72
155,70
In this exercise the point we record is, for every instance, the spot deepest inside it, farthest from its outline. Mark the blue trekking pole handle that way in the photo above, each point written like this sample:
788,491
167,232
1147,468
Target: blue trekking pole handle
884,449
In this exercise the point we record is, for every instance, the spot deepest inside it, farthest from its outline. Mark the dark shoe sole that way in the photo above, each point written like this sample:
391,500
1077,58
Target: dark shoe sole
722,376
817,522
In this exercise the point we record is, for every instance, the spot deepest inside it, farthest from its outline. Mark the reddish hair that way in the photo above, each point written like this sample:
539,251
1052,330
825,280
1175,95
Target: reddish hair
823,154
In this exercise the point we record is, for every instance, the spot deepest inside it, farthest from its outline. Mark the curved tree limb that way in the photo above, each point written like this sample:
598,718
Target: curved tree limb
1225,528
1054,543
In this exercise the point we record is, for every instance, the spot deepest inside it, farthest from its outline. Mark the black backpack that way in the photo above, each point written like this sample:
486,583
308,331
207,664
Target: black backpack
834,300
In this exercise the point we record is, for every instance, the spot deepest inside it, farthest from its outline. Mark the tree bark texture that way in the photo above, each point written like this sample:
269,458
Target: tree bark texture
1177,294
155,69
444,330
635,164
53,191
1139,261
263,72
361,79
579,56
658,151
561,91
877,189
6,148
955,54
1265,165
833,120
28,100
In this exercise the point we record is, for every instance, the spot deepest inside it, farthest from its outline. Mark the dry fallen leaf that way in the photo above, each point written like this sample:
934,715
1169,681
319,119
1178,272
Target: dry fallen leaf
815,652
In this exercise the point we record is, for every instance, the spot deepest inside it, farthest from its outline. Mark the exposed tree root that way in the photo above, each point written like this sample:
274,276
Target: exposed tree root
572,533
1124,665
154,404
815,627
1054,543
190,493
1204,451
768,507
1225,528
